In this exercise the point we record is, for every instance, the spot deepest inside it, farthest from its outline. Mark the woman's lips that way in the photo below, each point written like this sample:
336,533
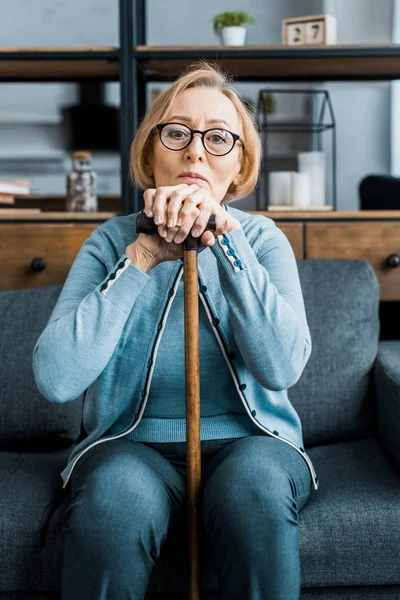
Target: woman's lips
193,180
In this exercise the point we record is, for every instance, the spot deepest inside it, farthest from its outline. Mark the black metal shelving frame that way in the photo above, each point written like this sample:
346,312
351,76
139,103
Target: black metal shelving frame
317,127
134,74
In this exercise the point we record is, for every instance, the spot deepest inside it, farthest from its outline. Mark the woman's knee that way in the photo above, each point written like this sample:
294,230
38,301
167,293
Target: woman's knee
119,497
250,482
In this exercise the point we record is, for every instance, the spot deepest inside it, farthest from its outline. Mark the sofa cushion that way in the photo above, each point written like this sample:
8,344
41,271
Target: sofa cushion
334,396
27,419
350,527
29,493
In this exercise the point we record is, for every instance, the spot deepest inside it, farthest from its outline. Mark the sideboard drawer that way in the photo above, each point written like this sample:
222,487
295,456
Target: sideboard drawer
37,254
376,242
294,233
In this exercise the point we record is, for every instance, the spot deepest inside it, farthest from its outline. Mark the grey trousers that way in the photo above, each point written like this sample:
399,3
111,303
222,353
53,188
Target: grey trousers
123,495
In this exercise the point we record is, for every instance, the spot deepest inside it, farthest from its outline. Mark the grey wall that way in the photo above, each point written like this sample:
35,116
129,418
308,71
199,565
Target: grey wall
362,110
190,23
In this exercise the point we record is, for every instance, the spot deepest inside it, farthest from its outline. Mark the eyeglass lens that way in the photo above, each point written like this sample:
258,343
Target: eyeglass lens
176,137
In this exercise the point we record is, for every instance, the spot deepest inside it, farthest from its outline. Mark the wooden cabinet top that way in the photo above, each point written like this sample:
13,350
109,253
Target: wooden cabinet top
336,215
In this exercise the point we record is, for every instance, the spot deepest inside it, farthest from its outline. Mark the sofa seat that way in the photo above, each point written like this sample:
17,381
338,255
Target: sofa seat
27,494
353,514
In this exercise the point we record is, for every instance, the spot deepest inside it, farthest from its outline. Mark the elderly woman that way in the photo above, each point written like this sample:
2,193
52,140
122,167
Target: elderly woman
116,336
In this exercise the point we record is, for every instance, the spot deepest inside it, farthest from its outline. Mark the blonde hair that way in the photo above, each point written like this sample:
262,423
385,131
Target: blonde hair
201,73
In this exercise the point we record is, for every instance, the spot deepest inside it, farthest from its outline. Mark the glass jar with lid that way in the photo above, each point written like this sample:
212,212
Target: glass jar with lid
81,184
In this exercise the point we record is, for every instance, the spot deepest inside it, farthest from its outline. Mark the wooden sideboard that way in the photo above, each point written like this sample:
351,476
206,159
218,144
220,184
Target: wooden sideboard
373,236
40,249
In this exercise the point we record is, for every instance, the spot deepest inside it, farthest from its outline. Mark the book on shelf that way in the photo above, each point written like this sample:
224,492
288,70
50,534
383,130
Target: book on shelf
17,187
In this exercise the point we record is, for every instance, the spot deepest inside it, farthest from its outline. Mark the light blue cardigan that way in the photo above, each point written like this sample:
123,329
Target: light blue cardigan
102,336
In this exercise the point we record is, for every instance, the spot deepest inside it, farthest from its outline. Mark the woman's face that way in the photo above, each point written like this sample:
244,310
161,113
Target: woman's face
197,107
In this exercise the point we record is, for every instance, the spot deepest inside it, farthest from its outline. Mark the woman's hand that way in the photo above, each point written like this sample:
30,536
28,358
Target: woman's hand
182,209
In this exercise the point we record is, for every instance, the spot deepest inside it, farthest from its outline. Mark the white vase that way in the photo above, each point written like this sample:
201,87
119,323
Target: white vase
233,36
314,164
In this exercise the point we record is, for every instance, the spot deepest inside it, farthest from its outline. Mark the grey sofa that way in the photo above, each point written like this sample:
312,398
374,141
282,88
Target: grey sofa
348,399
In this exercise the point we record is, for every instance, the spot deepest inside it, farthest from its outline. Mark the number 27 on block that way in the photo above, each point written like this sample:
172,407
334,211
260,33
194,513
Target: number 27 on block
307,31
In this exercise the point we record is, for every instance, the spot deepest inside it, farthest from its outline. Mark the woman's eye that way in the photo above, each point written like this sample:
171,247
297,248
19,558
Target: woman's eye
217,139
176,134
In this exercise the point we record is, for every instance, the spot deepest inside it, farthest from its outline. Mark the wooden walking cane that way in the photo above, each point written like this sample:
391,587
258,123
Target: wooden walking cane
192,382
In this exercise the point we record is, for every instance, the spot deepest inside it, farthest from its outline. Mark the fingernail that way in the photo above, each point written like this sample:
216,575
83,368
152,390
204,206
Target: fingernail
179,222
164,231
195,232
178,239
170,222
149,213
157,219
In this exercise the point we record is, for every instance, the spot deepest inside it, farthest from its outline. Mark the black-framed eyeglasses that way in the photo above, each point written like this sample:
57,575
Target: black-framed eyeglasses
217,141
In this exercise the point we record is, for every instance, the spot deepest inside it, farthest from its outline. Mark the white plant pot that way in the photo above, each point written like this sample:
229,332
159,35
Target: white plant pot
233,36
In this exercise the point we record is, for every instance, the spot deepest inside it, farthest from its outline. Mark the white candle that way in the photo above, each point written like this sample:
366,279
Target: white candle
314,164
280,188
301,189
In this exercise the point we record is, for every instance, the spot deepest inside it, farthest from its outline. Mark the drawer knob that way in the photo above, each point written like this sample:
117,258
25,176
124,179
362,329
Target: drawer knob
38,264
393,260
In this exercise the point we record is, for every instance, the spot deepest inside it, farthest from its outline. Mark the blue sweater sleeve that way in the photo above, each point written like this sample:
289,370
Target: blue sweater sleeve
263,292
86,323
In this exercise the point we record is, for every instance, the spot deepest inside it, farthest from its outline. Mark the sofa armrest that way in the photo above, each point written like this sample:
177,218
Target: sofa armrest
386,373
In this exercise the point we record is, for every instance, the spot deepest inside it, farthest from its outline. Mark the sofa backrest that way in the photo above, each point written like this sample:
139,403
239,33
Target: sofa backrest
334,395
27,419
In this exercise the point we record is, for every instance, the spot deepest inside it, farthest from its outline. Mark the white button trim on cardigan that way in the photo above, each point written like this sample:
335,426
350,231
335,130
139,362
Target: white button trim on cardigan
226,247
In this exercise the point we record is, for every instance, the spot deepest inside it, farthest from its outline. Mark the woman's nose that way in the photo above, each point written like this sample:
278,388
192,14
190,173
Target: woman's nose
196,145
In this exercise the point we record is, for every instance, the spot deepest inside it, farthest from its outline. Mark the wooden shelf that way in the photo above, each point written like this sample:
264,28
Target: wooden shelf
57,216
276,63
358,215
59,64
249,63
55,203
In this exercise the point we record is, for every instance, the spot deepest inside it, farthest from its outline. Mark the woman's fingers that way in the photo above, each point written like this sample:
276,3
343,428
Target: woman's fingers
164,196
208,238
194,214
178,210
155,199
202,221
176,199
186,226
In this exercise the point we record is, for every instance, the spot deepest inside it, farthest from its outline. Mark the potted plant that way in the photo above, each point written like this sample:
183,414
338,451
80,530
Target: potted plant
229,25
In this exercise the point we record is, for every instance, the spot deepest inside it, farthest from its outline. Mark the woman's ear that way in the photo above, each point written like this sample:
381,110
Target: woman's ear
148,169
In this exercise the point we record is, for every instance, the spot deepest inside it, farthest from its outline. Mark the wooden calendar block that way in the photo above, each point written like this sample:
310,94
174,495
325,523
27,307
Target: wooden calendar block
296,34
317,30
